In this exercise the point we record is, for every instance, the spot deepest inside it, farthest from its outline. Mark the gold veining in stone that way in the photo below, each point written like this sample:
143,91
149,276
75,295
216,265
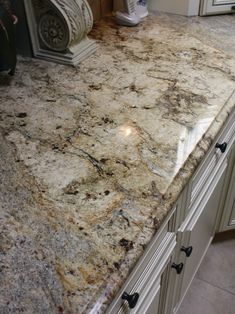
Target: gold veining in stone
94,157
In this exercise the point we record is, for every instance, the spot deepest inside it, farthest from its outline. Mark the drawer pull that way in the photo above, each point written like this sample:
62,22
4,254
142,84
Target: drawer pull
222,147
132,299
178,267
233,8
187,250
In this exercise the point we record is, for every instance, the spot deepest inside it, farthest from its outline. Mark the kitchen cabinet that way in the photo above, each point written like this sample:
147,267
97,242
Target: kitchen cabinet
217,6
164,273
208,190
198,230
145,288
227,220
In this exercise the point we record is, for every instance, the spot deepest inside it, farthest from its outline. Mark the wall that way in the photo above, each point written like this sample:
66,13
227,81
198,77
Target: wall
101,8
182,7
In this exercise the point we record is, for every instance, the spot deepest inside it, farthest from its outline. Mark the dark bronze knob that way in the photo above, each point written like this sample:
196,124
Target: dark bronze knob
132,299
222,147
187,250
233,8
178,267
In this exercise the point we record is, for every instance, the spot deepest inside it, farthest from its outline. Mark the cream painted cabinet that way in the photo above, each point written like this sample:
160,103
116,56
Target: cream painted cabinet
227,219
210,196
217,6
144,290
196,233
198,230
160,280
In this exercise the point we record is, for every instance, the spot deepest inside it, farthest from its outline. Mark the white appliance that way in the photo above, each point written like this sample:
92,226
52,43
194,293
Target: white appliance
130,12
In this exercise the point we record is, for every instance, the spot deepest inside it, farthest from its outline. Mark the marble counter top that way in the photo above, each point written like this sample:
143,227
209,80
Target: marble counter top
94,157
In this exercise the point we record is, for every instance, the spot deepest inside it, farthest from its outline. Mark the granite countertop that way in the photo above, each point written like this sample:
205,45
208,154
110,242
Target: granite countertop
94,157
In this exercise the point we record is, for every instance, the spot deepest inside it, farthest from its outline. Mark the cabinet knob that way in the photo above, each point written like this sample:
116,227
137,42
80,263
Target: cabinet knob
222,147
187,250
178,267
233,8
132,299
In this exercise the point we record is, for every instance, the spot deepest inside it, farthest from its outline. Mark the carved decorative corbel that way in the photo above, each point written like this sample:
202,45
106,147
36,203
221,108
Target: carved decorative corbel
59,28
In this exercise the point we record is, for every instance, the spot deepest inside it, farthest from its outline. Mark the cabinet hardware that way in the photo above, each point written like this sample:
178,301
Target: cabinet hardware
178,267
187,250
233,8
132,299
222,147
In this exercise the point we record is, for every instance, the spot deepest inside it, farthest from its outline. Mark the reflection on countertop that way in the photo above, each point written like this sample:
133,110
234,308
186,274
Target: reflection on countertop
94,157
188,139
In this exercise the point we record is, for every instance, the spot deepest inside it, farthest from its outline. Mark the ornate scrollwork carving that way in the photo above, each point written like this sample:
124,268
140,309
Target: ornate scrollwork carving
61,24
79,15
53,32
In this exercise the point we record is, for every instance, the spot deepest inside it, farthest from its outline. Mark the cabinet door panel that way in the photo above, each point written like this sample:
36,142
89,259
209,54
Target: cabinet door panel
232,217
199,231
151,304
230,203
228,207
153,309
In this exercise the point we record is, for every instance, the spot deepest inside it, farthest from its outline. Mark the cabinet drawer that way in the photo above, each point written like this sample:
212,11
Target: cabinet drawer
204,174
146,279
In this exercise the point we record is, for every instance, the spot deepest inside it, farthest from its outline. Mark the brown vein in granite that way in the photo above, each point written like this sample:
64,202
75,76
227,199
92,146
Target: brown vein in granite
100,143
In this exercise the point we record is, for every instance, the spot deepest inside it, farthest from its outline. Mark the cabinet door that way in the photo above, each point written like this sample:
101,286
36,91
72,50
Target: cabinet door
228,206
153,301
198,230
217,6
232,217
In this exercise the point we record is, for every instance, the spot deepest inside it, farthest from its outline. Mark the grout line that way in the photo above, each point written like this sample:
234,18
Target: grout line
215,286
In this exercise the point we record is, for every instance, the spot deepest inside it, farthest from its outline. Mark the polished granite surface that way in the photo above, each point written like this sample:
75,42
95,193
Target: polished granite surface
94,157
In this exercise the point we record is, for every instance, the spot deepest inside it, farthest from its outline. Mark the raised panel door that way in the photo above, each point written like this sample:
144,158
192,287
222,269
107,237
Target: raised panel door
199,230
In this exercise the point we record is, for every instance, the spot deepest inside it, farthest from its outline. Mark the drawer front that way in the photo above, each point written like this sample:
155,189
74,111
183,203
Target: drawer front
146,279
212,162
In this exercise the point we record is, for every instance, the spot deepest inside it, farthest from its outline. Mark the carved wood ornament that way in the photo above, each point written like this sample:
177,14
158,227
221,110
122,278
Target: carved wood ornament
59,29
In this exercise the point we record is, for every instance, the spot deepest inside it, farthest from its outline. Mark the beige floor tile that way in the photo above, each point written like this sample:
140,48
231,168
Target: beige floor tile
218,266
203,298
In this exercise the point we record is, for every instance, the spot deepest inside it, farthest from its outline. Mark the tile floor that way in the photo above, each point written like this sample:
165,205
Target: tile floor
213,288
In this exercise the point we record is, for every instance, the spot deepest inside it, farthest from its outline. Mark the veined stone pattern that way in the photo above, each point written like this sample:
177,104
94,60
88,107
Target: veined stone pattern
93,158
